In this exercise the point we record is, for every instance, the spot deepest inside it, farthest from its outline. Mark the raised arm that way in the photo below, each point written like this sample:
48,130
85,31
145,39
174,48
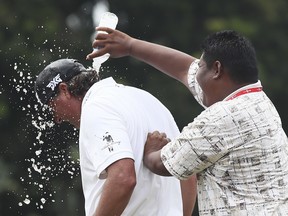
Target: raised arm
167,60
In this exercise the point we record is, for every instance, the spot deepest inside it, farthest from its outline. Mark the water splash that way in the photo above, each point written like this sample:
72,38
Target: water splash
47,162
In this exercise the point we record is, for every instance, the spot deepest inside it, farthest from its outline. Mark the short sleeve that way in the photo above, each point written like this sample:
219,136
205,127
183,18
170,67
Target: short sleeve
104,137
199,145
191,79
191,76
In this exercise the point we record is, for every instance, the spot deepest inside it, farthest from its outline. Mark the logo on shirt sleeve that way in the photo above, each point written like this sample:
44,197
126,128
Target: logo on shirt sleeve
109,142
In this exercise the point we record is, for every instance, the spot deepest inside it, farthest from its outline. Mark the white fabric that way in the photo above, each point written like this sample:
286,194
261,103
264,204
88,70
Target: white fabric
240,154
115,121
194,86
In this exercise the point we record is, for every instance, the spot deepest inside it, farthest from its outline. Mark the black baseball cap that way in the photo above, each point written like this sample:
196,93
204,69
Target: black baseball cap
62,70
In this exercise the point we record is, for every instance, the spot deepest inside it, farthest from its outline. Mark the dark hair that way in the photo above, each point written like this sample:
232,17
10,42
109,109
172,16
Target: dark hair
235,53
81,83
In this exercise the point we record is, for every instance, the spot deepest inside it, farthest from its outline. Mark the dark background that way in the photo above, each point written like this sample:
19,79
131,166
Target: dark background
39,167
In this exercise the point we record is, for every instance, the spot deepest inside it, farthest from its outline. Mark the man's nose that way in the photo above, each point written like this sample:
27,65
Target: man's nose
57,120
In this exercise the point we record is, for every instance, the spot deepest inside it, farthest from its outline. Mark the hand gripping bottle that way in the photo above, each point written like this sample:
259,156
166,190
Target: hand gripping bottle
109,20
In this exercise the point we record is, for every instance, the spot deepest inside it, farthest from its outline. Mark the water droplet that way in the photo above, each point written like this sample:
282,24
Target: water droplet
26,201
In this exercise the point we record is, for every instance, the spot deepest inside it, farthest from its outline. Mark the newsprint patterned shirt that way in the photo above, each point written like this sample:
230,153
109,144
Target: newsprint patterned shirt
239,151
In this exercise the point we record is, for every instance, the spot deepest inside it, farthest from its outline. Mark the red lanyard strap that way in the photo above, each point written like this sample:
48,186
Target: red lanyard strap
246,91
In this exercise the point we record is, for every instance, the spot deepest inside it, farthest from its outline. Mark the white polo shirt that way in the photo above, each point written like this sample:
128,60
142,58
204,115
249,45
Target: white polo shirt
239,151
115,121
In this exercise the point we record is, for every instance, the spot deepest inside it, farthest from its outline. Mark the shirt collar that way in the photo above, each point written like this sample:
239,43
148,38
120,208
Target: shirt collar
250,86
98,85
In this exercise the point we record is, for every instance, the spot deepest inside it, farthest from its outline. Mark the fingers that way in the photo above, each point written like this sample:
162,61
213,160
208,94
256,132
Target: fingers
159,136
100,41
114,42
157,133
98,52
155,141
101,35
95,54
105,29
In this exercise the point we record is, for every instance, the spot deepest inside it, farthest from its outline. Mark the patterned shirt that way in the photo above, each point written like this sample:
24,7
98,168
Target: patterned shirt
239,151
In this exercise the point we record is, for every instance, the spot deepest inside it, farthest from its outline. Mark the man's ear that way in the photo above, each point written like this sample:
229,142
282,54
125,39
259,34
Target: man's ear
218,69
63,89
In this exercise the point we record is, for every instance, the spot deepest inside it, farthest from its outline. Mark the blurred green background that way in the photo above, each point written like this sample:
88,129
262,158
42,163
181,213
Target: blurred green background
39,164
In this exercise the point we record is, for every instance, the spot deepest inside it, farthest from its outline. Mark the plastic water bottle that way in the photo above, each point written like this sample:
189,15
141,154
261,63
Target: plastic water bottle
109,20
